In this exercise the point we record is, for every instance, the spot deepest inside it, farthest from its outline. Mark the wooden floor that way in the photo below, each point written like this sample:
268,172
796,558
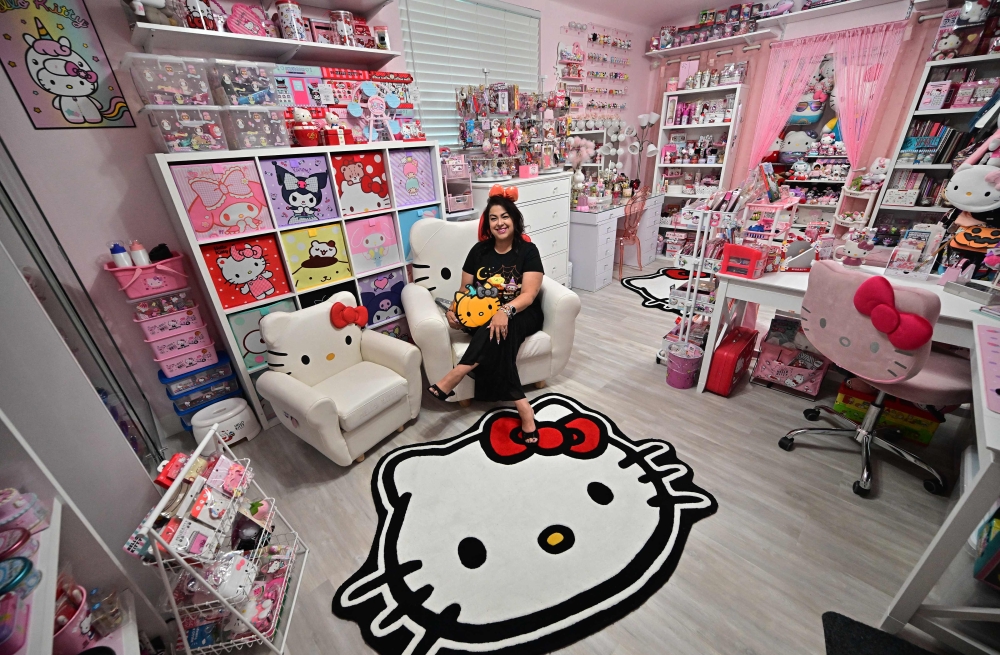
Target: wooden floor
789,542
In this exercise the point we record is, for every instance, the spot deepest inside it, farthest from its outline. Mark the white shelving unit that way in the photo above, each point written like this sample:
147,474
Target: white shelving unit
988,65
819,12
731,130
154,38
191,245
742,39
43,600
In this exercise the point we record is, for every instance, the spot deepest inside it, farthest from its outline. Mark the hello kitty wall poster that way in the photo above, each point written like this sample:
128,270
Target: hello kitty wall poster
373,242
56,63
412,176
222,199
246,270
361,182
488,544
299,189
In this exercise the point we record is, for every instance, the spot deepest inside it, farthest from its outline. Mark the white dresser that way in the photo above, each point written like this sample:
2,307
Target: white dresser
544,202
593,243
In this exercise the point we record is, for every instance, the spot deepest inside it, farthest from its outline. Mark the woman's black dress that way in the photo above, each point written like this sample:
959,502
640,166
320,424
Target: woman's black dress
496,376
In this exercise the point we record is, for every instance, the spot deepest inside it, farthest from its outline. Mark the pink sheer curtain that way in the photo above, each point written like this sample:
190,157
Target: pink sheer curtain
863,64
791,65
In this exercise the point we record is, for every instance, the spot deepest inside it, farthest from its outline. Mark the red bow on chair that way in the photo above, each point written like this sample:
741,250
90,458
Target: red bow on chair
510,192
576,437
341,316
875,298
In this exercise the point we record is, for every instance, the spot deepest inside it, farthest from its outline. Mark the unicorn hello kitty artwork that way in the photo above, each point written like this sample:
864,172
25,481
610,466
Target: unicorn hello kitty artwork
222,199
299,190
412,176
486,543
373,243
361,183
245,271
57,65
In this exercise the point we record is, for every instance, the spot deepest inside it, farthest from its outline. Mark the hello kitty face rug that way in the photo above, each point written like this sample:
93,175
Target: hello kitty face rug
487,544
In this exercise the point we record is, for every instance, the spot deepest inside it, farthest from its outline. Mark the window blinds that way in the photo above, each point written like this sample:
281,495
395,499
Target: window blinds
448,43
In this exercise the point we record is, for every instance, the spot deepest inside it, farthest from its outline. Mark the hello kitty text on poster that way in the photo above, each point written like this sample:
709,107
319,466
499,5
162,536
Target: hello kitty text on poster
58,67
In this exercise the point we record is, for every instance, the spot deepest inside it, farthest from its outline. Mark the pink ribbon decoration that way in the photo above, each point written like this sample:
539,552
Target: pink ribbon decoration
246,252
876,299
213,192
75,71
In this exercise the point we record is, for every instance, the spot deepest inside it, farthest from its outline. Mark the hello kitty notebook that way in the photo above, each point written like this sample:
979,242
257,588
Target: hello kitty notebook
412,176
372,242
361,183
299,189
223,199
246,270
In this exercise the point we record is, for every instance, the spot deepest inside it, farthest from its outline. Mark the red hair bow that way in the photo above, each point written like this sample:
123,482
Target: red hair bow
876,299
577,437
510,192
341,315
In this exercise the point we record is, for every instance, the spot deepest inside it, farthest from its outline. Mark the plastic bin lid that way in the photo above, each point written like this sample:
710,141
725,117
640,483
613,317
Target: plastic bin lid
223,359
131,57
189,414
149,108
175,396
216,412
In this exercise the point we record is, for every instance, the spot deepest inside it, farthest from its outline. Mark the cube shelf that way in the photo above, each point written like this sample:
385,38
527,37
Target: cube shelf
354,238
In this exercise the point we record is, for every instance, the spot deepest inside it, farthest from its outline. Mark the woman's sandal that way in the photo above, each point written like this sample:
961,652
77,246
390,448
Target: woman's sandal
436,391
530,437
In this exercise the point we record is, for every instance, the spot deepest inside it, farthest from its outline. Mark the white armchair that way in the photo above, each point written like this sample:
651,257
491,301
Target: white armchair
439,249
341,390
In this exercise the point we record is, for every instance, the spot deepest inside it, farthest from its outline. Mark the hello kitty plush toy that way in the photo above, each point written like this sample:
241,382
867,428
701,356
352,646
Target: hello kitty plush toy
946,47
305,130
826,143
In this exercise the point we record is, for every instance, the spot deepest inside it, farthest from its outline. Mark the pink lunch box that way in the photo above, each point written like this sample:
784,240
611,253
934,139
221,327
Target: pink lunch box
180,342
177,364
160,326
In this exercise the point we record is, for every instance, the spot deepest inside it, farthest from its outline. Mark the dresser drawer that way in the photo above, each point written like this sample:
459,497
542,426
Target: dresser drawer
555,265
605,240
606,250
541,190
551,241
604,279
608,227
543,215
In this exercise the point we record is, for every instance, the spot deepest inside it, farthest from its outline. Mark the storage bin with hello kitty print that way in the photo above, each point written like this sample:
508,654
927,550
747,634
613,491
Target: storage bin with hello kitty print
160,326
151,280
174,365
180,342
361,182
412,176
246,270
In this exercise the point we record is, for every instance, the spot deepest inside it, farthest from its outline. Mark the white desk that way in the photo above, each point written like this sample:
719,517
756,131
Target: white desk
957,326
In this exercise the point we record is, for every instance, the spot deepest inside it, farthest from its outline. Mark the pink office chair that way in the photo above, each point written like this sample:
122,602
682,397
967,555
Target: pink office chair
882,333
633,214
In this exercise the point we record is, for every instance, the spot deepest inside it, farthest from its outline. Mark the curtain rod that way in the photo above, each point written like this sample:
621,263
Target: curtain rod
924,17
746,48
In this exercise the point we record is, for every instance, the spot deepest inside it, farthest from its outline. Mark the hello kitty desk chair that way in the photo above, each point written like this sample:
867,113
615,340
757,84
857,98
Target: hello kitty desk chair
337,387
881,333
439,248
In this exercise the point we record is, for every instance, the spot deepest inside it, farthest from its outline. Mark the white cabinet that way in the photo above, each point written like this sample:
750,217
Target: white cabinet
544,202
593,243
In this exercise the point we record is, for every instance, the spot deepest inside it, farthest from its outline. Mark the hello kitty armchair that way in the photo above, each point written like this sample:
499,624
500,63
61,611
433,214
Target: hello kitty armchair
439,248
337,387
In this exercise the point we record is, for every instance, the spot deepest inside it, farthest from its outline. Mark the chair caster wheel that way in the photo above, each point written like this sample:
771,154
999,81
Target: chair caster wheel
861,491
811,414
786,443
934,487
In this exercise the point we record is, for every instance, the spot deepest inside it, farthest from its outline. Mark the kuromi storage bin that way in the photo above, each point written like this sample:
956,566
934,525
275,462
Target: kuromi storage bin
234,416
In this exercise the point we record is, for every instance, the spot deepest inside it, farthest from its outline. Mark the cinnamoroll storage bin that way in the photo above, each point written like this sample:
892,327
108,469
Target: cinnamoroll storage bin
234,416
180,342
254,127
187,128
160,326
189,380
174,365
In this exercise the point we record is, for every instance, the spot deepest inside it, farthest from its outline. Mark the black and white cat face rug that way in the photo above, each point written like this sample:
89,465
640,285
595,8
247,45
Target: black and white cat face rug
655,287
487,544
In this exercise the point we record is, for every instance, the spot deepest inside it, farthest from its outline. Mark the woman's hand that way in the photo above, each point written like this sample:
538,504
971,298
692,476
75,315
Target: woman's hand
453,320
498,326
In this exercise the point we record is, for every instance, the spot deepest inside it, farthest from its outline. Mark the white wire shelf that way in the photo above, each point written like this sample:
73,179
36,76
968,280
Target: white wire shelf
753,37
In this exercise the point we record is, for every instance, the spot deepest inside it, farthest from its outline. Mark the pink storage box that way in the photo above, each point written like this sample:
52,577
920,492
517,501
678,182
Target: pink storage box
160,326
178,364
153,280
527,170
180,342
459,203
772,367
13,623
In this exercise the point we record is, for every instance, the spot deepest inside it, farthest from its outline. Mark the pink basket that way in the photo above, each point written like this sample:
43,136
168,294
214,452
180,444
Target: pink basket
180,342
459,203
774,365
175,364
153,280
161,326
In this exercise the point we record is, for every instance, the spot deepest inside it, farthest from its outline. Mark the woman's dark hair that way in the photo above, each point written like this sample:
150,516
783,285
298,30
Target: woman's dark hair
511,209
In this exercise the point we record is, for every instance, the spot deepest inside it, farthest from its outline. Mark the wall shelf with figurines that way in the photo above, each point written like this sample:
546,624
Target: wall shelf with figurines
279,229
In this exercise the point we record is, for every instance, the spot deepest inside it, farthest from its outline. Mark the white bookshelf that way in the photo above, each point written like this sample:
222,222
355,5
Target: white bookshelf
741,39
955,117
731,130
191,245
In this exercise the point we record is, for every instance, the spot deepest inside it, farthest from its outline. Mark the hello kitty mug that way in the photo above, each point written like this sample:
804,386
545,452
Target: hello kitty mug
854,253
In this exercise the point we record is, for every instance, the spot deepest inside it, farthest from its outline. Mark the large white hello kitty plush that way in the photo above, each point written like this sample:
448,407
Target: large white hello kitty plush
975,187
486,543
795,145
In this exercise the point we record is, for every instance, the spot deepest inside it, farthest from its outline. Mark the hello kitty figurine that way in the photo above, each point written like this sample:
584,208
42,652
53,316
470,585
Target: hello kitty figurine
246,268
856,247
800,170
599,524
946,47
305,130
826,143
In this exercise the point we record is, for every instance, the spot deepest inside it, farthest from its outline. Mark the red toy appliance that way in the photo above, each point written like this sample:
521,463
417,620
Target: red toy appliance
742,261
731,360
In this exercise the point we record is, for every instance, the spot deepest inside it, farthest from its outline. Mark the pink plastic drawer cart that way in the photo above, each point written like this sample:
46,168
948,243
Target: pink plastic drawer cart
457,178
174,365
159,327
784,362
152,280
180,342
190,380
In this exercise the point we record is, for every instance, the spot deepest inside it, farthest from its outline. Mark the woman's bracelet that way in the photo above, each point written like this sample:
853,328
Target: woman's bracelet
507,309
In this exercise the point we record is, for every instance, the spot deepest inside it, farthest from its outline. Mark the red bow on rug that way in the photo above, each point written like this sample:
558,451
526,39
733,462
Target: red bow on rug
875,298
576,436
341,315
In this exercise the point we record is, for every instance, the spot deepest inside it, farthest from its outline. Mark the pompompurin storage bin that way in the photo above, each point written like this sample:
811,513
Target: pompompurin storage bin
153,280
234,416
